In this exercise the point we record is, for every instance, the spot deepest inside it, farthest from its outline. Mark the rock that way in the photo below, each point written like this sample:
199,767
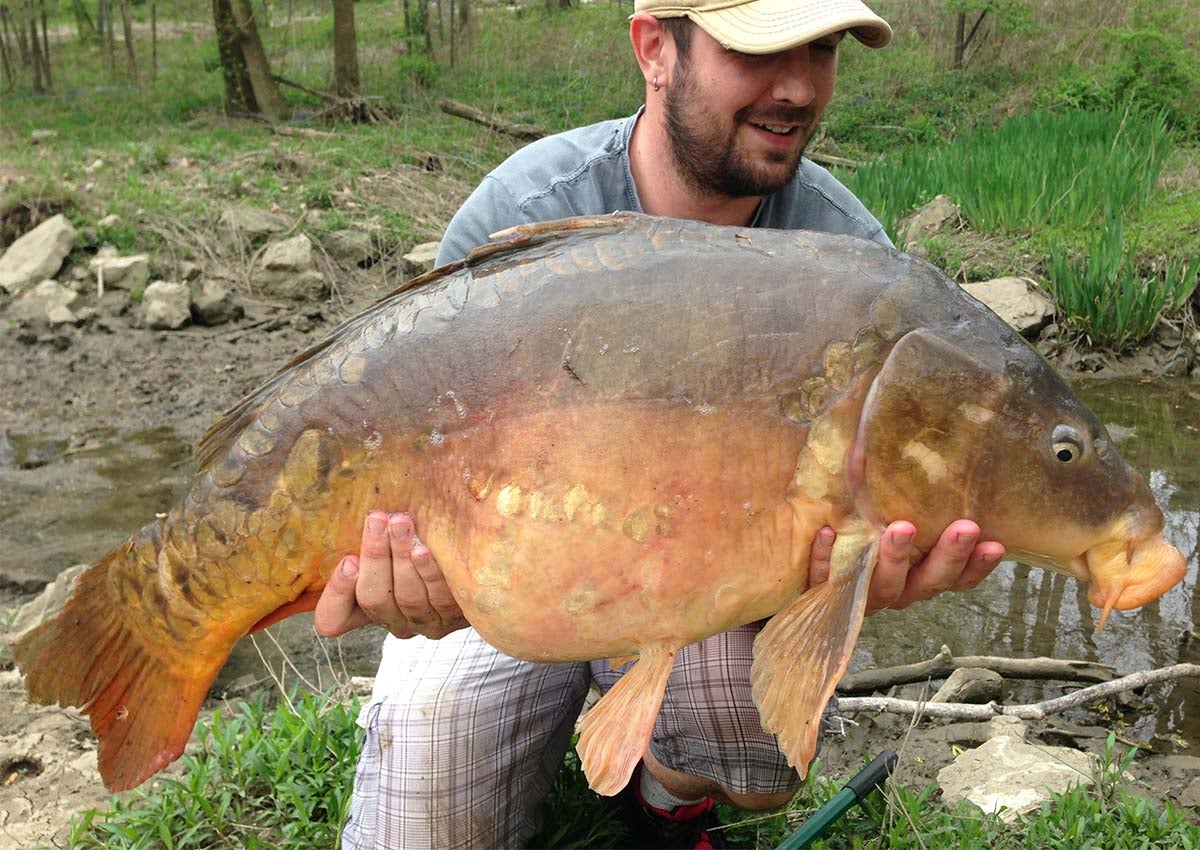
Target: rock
38,303
1018,301
37,255
293,286
352,247
215,304
420,259
1010,776
928,221
45,605
110,220
166,306
61,315
287,270
1190,796
974,685
116,272
289,255
244,225
40,135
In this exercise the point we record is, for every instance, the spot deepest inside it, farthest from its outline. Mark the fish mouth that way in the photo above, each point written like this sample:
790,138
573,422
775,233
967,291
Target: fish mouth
1127,574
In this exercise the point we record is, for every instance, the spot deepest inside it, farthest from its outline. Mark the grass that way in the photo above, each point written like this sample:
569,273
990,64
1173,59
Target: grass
266,778
1036,171
261,779
1107,298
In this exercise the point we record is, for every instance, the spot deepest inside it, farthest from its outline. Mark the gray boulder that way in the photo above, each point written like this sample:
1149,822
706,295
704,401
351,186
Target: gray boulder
37,304
37,255
974,685
166,306
1009,776
1017,300
44,606
113,271
215,304
352,247
247,225
420,259
929,220
287,270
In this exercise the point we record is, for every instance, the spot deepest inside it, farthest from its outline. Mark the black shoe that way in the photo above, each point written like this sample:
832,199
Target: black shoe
690,827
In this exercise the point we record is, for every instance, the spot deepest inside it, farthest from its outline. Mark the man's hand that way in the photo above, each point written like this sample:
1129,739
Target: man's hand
393,582
958,561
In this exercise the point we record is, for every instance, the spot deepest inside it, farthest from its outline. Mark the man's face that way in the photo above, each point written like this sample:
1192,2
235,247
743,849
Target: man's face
738,123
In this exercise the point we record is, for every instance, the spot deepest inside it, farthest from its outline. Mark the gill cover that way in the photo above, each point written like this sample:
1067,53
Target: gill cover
922,427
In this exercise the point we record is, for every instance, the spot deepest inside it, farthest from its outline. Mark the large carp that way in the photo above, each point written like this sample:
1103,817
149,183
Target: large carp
618,436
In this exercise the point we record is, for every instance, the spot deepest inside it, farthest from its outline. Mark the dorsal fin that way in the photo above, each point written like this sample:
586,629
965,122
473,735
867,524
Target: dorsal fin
230,425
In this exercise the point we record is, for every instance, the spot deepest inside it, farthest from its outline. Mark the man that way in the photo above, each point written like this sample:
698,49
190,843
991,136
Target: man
462,743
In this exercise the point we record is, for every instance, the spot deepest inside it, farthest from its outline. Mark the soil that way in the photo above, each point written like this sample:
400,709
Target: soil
111,375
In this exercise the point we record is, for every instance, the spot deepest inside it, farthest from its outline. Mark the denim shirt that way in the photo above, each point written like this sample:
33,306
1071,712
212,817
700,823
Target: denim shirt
586,171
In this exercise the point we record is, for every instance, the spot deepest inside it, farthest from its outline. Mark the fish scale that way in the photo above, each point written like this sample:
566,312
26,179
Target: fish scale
618,436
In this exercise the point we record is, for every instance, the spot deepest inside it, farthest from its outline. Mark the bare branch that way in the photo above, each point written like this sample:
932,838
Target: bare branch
945,663
1034,711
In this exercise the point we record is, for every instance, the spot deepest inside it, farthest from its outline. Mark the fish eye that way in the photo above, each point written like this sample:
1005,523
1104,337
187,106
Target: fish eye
1066,443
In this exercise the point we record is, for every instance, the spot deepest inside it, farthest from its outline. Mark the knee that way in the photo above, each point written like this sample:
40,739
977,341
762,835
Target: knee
755,802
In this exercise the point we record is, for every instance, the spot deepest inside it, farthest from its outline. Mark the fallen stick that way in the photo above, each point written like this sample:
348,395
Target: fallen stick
528,132
945,663
1033,711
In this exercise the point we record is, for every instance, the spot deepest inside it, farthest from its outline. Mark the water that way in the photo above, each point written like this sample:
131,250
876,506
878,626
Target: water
67,501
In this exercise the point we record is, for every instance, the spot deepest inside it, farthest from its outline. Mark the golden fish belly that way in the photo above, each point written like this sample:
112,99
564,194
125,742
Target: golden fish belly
591,531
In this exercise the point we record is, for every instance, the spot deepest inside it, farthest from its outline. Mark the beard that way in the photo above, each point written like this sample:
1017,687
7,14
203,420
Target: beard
707,155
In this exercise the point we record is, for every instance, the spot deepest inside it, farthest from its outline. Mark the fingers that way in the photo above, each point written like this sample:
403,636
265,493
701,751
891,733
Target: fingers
892,568
337,610
394,582
958,561
820,556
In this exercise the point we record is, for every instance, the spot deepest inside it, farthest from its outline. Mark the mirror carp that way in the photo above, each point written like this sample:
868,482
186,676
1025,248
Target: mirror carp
618,435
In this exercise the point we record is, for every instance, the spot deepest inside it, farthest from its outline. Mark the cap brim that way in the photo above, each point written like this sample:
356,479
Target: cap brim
769,26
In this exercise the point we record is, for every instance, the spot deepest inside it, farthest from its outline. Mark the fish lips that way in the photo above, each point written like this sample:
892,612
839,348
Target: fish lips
1127,574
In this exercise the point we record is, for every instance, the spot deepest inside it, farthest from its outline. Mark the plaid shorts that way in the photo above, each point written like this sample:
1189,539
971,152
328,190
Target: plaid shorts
462,742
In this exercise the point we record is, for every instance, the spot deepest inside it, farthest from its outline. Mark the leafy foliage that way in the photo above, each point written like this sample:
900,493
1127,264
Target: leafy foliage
262,779
1107,298
1040,169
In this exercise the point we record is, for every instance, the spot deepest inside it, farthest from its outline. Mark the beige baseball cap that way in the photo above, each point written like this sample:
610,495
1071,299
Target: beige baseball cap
769,26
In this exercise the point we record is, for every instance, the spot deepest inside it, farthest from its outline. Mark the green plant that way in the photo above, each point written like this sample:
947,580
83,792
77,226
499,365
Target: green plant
261,779
1107,299
1037,170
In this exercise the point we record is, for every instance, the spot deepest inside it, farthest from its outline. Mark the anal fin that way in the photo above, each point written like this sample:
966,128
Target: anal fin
803,652
616,730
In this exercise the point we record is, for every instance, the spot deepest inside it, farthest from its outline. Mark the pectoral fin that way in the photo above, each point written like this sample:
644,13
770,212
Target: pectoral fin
616,730
803,652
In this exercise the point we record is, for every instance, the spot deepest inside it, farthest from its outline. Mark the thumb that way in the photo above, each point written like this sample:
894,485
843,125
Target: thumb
337,610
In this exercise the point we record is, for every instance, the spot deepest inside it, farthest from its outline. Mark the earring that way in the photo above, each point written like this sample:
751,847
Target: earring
654,83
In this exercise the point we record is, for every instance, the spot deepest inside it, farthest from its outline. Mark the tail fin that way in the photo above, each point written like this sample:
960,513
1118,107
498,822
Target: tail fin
142,703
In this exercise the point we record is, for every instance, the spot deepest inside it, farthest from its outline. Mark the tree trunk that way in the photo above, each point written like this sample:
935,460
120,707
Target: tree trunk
127,28
110,38
345,50
239,94
960,34
5,62
266,90
35,51
85,28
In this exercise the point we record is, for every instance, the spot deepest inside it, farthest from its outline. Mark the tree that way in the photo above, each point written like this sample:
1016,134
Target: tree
345,50
249,86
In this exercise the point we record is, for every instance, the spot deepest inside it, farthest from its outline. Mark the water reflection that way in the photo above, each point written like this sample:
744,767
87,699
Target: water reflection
1026,612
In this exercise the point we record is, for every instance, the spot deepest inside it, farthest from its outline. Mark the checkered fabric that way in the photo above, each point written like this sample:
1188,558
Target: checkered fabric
462,742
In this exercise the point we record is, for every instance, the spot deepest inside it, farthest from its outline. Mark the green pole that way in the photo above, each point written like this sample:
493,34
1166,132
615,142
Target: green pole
863,783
